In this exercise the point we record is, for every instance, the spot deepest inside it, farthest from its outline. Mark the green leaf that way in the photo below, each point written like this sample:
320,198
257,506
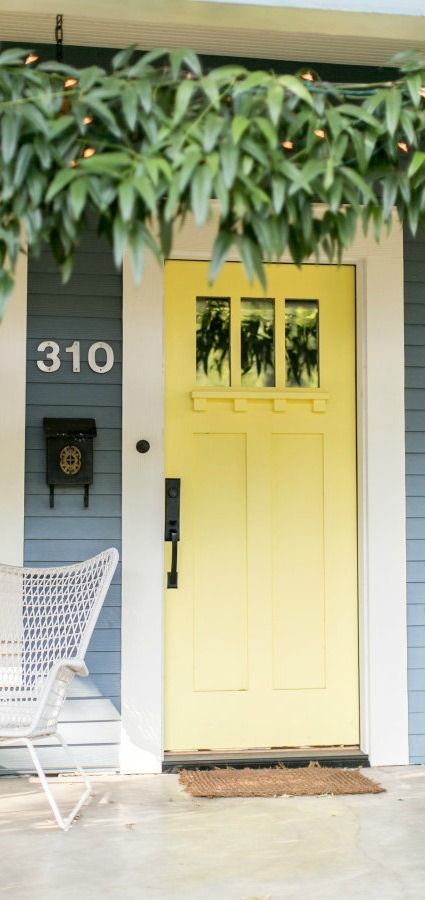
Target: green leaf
183,97
10,127
251,81
137,249
200,193
229,157
102,111
392,110
172,203
122,58
416,163
275,96
13,56
56,127
239,126
120,233
408,125
126,198
251,260
359,113
222,194
329,174
145,62
34,117
129,106
145,190
6,288
267,130
358,182
78,195
60,181
108,163
212,128
296,86
414,84
22,162
222,244
278,193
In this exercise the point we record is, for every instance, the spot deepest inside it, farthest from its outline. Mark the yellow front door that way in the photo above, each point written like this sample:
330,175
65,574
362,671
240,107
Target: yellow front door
261,634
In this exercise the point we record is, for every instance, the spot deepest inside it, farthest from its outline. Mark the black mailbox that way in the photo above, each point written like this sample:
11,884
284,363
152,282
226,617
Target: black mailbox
69,454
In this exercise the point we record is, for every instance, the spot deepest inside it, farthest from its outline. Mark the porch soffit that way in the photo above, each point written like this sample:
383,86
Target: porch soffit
219,28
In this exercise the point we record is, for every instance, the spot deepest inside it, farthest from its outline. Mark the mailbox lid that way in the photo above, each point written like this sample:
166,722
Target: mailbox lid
57,428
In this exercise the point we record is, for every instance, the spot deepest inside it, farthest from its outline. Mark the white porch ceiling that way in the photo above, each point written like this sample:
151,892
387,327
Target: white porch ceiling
221,28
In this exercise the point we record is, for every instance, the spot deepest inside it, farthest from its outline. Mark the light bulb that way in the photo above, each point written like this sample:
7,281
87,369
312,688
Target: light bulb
88,152
87,120
287,145
320,133
403,146
70,82
307,76
31,58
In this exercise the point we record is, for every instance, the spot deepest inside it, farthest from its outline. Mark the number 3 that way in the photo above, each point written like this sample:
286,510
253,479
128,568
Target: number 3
53,354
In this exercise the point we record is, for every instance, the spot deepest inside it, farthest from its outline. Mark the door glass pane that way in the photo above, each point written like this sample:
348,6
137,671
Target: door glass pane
302,343
257,343
213,341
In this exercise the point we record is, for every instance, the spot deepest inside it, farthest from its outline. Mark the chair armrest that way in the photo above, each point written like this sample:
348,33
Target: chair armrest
74,664
54,693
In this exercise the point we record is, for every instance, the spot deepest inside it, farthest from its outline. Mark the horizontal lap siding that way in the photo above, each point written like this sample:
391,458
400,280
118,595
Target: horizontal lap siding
88,309
414,250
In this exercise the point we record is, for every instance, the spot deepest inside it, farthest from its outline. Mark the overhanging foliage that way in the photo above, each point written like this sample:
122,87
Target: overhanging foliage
156,138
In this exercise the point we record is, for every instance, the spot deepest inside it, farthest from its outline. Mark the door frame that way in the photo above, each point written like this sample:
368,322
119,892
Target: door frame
381,510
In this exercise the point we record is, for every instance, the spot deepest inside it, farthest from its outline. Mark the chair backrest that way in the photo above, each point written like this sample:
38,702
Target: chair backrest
47,615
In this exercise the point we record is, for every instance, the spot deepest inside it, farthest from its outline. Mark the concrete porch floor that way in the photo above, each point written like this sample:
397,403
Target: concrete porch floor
143,838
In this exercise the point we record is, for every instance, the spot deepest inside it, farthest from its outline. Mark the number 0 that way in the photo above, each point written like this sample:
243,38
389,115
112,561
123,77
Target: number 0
109,362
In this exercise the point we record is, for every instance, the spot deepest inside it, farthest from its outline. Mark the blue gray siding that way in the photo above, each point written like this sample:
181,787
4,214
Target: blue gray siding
415,487
88,308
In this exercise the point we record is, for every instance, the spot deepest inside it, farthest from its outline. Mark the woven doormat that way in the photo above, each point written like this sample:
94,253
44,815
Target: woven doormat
308,781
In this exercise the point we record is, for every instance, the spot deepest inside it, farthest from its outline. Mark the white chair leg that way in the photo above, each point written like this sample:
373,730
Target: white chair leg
63,823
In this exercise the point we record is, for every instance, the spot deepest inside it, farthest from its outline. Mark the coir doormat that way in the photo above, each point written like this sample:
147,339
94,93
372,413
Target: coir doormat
309,781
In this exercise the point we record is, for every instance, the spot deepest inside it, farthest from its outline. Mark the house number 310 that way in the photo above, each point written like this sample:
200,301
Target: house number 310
52,361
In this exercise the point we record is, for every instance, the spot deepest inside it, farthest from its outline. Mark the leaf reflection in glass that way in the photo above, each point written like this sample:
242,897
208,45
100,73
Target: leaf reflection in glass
213,341
302,343
257,343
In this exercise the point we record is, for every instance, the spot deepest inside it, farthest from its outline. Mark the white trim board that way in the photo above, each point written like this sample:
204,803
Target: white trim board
382,556
13,336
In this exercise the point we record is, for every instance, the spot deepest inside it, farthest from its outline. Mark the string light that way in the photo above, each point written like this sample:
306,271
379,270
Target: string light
87,120
403,146
287,145
307,76
70,82
88,152
31,58
320,133
422,92
73,164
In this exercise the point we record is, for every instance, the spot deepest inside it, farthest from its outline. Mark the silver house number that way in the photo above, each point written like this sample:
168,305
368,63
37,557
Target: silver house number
100,356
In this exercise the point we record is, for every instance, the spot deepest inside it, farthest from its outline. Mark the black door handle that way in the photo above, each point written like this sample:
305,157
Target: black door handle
172,525
172,577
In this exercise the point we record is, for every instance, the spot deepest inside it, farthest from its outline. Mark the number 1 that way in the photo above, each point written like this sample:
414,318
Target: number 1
75,350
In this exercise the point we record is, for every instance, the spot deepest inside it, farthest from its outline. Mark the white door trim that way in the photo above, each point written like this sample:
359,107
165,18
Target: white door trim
13,337
382,556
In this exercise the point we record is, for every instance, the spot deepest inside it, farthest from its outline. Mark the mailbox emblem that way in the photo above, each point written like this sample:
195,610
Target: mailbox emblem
70,460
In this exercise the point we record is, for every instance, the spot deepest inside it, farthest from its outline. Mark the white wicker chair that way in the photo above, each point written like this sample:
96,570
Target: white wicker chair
47,617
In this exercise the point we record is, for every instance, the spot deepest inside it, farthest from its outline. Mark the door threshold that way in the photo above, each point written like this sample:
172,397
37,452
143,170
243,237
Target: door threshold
338,757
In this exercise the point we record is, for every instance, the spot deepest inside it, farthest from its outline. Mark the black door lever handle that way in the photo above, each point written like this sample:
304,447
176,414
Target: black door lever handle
172,577
172,525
